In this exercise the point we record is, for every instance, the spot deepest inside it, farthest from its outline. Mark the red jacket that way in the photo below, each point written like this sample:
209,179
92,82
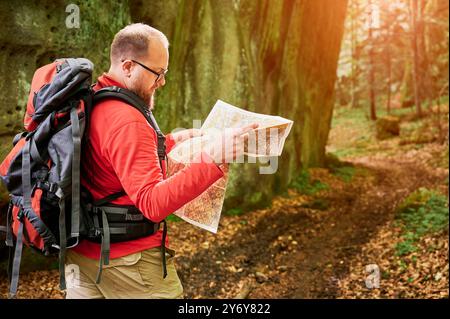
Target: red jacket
123,155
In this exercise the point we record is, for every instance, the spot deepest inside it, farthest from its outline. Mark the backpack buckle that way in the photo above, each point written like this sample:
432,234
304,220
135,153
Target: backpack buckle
49,187
94,233
115,89
53,187
20,215
29,135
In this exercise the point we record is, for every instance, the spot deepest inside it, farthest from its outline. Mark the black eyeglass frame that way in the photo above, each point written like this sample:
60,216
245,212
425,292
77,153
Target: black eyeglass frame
158,75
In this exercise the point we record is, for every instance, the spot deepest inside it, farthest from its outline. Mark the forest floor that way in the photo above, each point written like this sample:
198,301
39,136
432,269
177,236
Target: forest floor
380,203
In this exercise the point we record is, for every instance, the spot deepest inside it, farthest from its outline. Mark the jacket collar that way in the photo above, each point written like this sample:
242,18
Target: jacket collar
106,80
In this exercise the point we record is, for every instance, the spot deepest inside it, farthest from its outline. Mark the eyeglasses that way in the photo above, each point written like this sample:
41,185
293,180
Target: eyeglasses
158,75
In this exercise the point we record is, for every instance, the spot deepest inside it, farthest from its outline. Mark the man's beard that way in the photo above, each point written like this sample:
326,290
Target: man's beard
145,95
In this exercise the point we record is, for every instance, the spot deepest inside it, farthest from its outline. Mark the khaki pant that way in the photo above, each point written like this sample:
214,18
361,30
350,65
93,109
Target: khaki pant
137,276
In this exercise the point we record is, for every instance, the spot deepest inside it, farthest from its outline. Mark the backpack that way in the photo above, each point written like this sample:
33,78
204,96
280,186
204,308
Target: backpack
49,211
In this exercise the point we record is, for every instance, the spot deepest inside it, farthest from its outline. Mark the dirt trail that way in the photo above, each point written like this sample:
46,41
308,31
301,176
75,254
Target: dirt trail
290,251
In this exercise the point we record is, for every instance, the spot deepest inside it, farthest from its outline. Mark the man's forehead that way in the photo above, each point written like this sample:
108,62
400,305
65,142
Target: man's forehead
158,54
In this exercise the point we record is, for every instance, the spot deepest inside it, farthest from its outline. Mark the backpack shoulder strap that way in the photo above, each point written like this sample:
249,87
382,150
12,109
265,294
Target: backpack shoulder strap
115,92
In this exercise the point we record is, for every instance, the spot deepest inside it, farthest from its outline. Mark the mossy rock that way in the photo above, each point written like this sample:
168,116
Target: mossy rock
5,148
387,126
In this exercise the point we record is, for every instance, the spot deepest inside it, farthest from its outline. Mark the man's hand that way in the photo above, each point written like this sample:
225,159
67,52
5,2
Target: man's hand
228,145
184,135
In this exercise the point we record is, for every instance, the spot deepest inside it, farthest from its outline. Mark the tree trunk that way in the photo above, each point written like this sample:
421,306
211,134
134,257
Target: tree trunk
387,45
389,80
425,90
373,111
416,57
353,6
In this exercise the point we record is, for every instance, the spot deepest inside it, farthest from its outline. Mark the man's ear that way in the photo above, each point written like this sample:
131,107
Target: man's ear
127,66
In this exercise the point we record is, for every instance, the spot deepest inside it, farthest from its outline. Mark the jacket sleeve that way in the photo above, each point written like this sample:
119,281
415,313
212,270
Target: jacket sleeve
132,152
170,143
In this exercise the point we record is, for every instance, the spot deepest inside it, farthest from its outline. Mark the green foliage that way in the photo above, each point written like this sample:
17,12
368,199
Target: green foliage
423,212
256,197
401,112
346,173
346,116
344,170
304,184
173,218
405,247
354,132
234,212
442,100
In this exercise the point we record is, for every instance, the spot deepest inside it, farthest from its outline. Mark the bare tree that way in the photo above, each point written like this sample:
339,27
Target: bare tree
353,6
413,9
387,42
373,113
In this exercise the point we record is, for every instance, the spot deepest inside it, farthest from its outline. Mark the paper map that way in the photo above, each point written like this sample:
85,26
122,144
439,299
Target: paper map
267,140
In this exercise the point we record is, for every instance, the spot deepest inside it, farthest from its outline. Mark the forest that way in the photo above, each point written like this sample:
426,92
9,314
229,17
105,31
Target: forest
358,207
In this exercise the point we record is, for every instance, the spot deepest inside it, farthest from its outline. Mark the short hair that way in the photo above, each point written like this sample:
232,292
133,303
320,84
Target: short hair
133,41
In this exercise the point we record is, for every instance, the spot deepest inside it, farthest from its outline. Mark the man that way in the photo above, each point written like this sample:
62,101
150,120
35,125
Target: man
122,156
